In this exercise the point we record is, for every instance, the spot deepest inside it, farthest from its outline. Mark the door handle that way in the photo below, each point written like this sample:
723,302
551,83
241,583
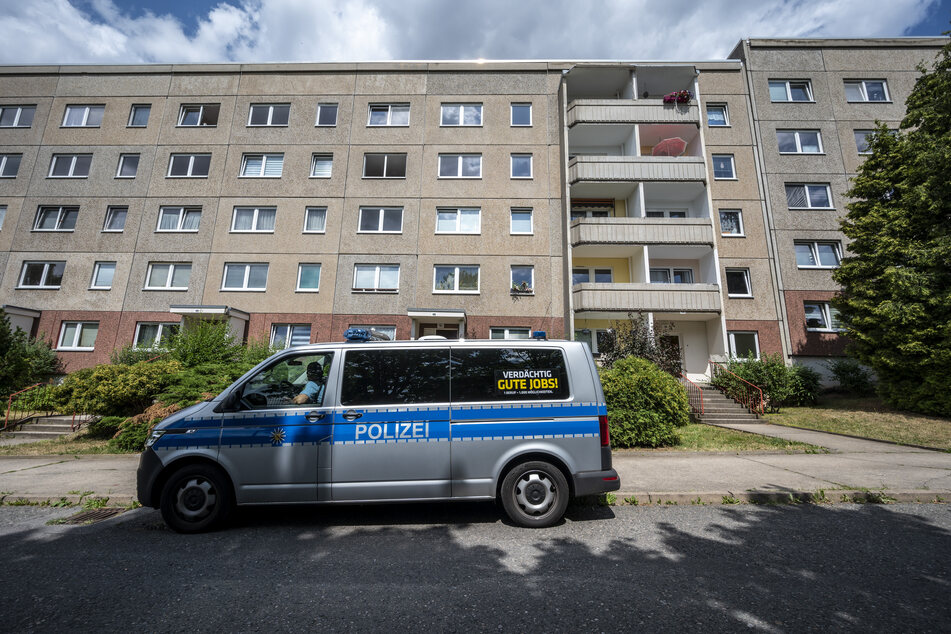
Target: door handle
313,417
352,414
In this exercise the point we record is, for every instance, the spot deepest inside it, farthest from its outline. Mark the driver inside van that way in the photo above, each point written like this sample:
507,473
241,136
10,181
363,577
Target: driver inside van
313,391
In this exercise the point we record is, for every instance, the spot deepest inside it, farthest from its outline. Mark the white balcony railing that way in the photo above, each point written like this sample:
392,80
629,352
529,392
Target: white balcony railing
630,111
691,298
586,168
596,231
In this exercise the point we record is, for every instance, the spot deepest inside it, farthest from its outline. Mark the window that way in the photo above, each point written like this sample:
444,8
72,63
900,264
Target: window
866,90
384,166
806,196
154,334
139,115
717,115
168,276
78,335
521,166
598,339
388,115
200,115
523,279
308,277
102,275
268,114
128,166
83,116
731,223
262,165
179,219
521,222
723,167
253,219
460,166
799,141
862,139
790,90
668,275
822,316
385,333
665,213
376,277
461,220
42,274
244,277
738,283
115,219
477,374
188,165
321,165
326,114
510,333
743,344
56,219
455,279
70,165
288,335
461,114
315,220
9,165
584,275
521,114
287,383
3,215
381,377
16,116
818,255
385,220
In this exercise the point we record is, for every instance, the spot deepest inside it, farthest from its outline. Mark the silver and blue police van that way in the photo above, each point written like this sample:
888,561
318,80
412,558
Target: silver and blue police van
523,422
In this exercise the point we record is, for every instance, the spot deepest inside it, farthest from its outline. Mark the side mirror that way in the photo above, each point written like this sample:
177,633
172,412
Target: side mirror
230,403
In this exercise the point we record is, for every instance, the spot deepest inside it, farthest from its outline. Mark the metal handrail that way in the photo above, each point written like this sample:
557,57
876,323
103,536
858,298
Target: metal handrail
751,395
6,421
694,393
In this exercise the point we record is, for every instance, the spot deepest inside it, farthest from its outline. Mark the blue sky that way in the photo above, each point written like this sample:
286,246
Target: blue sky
154,31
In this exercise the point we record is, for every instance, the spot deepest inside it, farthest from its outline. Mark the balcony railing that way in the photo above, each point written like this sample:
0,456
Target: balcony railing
635,168
641,231
630,111
693,298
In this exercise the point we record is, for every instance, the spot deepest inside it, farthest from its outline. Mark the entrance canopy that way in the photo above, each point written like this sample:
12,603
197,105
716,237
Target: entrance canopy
449,323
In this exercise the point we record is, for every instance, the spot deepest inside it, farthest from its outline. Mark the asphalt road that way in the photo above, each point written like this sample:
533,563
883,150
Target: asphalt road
459,568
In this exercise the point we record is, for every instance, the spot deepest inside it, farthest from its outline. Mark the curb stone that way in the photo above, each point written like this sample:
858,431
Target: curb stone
823,496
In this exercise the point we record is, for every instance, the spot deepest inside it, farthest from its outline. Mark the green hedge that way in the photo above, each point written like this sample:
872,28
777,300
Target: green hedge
645,404
114,390
781,384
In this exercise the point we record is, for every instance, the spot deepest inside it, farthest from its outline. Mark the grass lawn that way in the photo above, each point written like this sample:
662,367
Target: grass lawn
868,418
708,438
75,444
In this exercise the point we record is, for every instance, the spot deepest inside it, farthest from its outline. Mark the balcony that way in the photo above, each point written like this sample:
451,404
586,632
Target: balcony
619,299
607,231
630,111
614,169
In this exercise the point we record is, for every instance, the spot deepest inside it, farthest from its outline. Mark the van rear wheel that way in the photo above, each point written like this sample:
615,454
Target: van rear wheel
195,498
535,494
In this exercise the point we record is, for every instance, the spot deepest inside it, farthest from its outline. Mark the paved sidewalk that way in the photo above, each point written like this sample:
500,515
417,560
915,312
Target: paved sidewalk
854,467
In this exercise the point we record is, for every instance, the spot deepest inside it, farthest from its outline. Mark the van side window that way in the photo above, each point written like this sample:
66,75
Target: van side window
395,377
508,374
297,381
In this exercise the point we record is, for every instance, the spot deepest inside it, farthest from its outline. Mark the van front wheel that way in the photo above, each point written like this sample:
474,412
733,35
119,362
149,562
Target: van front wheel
535,494
195,498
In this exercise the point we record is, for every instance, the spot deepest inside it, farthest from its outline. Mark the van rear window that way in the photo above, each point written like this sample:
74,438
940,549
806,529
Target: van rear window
395,377
508,374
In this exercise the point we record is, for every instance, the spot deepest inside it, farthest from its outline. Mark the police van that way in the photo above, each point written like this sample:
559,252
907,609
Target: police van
523,422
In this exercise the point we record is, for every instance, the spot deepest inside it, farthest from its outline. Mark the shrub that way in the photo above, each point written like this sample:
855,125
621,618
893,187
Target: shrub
130,355
645,404
39,399
635,338
115,390
803,386
851,376
104,428
23,361
781,384
204,342
131,436
202,382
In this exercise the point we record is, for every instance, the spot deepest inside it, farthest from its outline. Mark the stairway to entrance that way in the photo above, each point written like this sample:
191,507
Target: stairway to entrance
719,409
43,428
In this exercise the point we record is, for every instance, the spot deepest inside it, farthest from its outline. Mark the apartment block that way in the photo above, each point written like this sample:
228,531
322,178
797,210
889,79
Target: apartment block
459,199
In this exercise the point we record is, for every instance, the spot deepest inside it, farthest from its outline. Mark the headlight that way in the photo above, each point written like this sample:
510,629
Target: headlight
154,436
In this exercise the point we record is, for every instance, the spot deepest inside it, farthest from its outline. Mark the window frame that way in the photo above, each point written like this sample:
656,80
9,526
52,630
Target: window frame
826,310
531,165
320,106
73,160
122,160
266,157
172,268
806,187
48,265
5,160
865,133
182,214
378,270
531,288
185,107
380,220
459,160
270,115
672,272
80,327
523,104
456,278
96,268
731,342
386,160
317,156
159,336
739,216
726,115
254,219
460,106
457,211
389,115
506,330
300,270
745,272
713,169
788,84
19,115
3,215
307,211
133,109
61,211
592,272
88,110
191,165
110,212
863,89
796,136
814,250
531,221
244,288
290,334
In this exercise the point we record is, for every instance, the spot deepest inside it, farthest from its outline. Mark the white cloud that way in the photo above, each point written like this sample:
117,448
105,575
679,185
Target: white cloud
58,31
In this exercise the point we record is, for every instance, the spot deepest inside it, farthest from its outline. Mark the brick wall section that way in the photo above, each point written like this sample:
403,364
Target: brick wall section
477,327
803,342
767,331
